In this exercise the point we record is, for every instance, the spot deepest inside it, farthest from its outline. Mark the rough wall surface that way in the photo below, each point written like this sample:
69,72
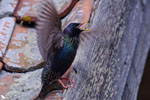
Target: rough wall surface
107,64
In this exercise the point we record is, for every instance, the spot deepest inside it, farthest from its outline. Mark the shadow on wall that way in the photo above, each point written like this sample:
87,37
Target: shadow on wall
144,89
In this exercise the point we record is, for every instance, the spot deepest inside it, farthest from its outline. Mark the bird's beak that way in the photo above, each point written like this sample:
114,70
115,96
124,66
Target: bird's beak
82,24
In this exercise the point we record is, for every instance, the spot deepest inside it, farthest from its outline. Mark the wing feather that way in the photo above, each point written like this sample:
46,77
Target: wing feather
85,35
50,37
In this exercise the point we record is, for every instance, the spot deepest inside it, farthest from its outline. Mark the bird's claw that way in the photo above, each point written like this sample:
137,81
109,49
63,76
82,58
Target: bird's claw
72,83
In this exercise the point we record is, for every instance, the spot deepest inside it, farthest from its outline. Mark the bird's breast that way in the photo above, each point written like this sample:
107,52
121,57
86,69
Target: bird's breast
66,54
64,59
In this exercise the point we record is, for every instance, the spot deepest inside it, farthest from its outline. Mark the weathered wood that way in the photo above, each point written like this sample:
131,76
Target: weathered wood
139,59
114,60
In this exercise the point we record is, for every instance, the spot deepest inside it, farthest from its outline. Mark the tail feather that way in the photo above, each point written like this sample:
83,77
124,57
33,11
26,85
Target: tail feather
55,85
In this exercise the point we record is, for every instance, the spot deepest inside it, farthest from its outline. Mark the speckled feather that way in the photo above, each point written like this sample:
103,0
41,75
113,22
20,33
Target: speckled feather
57,49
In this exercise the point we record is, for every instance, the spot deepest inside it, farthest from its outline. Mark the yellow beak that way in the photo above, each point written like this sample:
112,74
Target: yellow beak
85,29
84,23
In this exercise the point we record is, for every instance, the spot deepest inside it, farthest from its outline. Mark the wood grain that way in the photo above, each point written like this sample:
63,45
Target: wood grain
111,65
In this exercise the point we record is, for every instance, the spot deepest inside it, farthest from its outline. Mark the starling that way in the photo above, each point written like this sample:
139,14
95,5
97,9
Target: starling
58,48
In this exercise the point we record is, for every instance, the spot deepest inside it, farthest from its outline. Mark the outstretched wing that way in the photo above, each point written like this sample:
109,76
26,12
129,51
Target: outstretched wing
50,37
87,36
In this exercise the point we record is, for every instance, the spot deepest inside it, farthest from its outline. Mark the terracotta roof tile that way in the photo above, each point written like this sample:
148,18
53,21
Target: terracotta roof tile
27,10
7,7
6,28
22,53
81,12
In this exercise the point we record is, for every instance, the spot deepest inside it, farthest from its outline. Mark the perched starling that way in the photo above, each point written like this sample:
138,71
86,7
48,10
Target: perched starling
58,48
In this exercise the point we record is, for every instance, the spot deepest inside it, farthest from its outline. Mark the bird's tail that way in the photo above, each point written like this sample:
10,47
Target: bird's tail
55,85
43,93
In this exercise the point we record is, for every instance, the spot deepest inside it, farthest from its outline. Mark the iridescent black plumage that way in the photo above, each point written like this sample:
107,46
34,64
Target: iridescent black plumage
57,48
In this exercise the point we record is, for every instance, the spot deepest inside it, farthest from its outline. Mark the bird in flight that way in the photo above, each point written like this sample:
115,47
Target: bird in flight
58,48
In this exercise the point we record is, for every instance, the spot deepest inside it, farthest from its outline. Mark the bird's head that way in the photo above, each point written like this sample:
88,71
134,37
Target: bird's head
73,29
